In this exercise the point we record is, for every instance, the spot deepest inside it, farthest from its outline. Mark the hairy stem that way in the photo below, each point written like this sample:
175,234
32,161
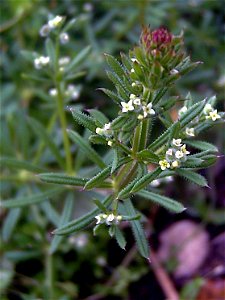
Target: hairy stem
49,276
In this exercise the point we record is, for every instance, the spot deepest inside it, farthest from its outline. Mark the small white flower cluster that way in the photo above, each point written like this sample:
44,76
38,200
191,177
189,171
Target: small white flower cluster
136,105
65,60
52,24
211,113
41,62
108,219
174,156
105,131
72,92
188,131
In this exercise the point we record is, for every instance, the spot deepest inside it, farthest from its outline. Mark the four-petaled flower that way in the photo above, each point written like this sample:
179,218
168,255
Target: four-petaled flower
190,131
148,110
41,61
164,164
55,22
127,106
177,142
213,115
184,150
179,154
182,110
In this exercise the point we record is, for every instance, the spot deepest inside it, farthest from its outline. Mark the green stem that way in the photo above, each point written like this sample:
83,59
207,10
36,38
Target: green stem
62,118
144,134
49,276
60,107
136,140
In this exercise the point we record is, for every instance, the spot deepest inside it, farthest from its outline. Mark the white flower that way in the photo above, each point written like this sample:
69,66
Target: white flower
134,84
182,110
135,99
55,22
164,164
99,131
127,106
177,142
118,219
109,219
179,154
107,126
175,164
64,38
148,110
72,91
208,108
132,96
134,59
110,143
213,115
169,152
140,117
53,92
190,131
132,70
41,61
64,60
174,71
45,30
184,150
99,219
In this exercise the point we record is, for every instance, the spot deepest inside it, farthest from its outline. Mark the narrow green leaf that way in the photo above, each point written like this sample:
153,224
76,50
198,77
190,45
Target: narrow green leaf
118,84
119,122
193,177
10,223
174,132
120,238
29,200
164,201
99,116
115,160
40,131
191,113
98,179
127,190
145,180
100,206
148,155
86,148
201,145
192,162
161,140
84,120
137,229
50,50
50,212
66,215
83,221
60,178
11,162
97,139
115,65
78,59
117,99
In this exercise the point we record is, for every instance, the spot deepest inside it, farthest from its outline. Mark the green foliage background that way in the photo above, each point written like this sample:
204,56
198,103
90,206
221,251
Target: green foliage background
109,27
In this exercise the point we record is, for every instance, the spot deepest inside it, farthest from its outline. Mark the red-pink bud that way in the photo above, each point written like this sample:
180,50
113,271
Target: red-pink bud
161,37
